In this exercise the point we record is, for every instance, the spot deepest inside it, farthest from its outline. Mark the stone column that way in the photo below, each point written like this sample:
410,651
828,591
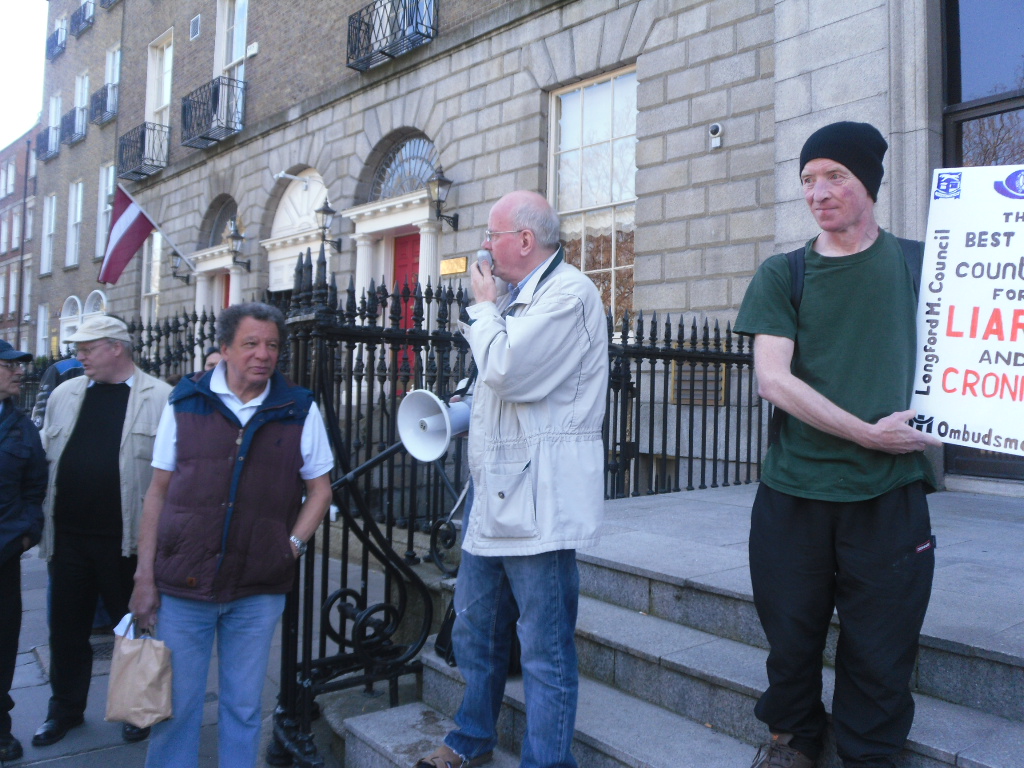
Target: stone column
364,263
235,287
430,252
202,292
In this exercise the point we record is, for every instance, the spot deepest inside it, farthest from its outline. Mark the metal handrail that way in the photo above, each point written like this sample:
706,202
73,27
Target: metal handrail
143,151
83,18
72,125
386,29
213,112
48,143
56,43
103,104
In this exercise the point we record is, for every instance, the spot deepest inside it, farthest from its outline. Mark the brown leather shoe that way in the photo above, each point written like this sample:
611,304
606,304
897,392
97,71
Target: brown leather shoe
778,754
445,757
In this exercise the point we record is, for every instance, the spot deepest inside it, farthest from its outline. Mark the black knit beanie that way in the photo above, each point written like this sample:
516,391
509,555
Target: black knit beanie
858,146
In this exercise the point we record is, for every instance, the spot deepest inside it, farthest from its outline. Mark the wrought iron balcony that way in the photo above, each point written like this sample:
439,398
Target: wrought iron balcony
48,143
213,112
386,29
56,43
72,126
83,18
107,3
103,104
142,151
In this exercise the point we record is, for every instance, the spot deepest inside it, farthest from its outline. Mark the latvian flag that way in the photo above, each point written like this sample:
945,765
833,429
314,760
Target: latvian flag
129,228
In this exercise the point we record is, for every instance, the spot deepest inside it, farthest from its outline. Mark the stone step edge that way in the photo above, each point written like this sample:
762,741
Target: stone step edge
601,728
402,736
931,714
697,584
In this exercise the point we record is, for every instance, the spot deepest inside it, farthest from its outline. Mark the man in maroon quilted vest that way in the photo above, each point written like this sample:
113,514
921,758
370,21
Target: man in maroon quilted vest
240,483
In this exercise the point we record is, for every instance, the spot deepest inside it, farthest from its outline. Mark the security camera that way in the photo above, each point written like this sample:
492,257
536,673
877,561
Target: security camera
715,132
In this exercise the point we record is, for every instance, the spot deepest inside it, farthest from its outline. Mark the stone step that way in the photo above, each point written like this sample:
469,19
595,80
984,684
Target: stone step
613,728
708,588
709,679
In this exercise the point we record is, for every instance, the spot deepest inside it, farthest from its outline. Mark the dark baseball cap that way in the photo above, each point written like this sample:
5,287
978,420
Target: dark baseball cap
7,352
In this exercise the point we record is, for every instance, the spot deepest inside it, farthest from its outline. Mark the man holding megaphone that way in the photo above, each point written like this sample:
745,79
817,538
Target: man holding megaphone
536,460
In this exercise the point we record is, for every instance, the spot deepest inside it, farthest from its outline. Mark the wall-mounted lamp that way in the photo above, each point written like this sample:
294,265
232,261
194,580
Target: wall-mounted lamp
237,239
324,219
177,260
437,188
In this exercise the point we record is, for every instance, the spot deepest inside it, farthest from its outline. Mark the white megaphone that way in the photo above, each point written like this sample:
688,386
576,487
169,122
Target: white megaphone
426,424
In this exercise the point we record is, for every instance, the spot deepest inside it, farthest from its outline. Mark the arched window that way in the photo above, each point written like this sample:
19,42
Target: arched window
95,304
221,221
405,168
70,317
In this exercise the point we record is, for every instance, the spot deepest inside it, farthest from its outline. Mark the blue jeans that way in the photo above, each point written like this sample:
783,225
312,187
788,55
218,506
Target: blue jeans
543,590
244,629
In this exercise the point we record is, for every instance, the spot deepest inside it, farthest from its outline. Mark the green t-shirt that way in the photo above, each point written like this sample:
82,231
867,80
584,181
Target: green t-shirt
855,344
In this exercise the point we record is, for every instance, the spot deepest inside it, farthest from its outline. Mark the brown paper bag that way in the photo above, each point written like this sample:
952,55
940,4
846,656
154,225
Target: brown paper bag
140,682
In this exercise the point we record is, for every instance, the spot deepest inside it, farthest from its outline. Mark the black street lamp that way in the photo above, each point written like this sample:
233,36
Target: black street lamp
324,219
237,240
438,187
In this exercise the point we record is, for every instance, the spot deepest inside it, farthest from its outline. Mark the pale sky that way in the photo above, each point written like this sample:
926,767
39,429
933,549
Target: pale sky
22,56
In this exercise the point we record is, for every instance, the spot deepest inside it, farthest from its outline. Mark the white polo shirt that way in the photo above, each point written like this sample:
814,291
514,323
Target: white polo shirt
315,447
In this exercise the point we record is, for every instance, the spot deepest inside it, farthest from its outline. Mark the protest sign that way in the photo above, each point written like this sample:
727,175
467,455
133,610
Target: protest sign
969,383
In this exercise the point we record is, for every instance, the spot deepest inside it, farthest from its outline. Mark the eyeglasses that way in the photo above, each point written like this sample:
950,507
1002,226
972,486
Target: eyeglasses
86,351
489,236
12,366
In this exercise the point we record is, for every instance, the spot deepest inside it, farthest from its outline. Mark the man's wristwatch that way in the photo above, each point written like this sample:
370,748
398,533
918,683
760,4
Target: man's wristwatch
300,545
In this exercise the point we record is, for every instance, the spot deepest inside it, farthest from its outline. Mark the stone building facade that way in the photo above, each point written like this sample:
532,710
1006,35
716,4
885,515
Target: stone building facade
606,106
17,245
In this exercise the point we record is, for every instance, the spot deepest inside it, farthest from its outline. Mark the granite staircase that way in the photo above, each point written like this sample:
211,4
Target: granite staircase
672,654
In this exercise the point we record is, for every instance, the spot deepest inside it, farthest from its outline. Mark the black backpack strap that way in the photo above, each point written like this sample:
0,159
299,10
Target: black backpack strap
913,254
797,266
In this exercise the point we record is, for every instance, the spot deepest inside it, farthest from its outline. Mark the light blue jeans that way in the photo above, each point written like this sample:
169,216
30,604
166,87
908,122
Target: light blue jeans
244,629
543,590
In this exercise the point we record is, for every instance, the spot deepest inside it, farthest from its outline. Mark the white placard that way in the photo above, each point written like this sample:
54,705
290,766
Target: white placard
969,383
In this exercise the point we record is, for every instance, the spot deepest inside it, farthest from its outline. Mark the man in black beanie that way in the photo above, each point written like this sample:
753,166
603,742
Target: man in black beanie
840,520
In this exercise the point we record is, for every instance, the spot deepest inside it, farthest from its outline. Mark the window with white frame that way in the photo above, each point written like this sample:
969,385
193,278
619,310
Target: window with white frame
3,292
232,19
12,305
16,230
12,175
104,207
112,68
592,178
70,317
43,331
81,102
3,180
49,234
5,234
55,114
76,191
30,217
151,277
26,294
158,91
31,165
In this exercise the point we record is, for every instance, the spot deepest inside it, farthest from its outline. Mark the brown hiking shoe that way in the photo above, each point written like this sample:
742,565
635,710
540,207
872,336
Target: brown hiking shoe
445,757
778,754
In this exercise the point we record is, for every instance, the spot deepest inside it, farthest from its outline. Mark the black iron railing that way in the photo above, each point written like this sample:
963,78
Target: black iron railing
56,43
48,143
386,29
213,112
72,126
142,151
83,18
683,413
103,104
108,3
683,410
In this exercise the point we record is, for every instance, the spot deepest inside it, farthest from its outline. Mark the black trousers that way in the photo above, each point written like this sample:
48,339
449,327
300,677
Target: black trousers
10,628
81,569
872,561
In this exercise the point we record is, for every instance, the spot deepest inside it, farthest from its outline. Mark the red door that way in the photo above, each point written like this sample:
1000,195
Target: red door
407,267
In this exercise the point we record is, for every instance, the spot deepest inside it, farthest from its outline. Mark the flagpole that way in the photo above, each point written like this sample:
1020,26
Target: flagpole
163,234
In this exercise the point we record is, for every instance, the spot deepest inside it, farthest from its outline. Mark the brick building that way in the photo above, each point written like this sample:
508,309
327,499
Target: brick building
249,115
17,245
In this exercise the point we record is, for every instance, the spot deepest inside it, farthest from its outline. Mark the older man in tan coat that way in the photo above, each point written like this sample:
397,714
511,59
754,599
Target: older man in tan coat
98,434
